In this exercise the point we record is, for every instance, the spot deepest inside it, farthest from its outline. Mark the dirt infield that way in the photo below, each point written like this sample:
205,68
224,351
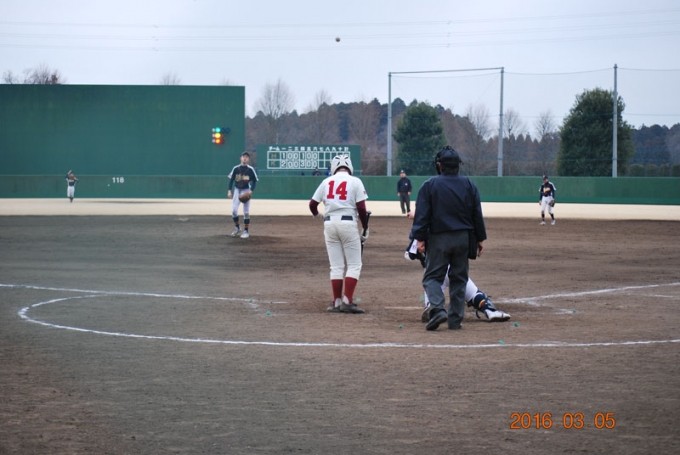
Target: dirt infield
161,334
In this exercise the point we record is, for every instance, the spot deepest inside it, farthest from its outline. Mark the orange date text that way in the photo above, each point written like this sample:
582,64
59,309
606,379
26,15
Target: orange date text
568,420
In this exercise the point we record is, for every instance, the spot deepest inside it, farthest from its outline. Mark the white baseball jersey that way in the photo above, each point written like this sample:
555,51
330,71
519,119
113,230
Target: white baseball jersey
340,194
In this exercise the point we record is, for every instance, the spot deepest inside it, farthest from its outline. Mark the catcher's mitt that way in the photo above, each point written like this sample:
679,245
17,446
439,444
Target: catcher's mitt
552,203
245,197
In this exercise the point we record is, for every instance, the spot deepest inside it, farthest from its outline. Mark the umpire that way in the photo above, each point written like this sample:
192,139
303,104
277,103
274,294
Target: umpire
404,192
449,224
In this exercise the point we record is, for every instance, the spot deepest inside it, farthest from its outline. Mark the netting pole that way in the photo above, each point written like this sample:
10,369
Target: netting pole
389,124
615,123
500,130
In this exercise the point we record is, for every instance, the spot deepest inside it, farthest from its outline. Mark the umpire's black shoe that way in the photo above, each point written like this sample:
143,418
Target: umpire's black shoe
437,318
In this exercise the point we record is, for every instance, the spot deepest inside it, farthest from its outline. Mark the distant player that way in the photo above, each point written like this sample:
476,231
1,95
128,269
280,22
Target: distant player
344,198
71,188
243,179
546,198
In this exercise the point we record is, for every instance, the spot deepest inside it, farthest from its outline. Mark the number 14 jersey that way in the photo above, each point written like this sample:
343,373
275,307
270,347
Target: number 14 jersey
340,194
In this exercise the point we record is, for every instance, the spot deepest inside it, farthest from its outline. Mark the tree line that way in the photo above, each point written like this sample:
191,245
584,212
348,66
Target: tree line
580,146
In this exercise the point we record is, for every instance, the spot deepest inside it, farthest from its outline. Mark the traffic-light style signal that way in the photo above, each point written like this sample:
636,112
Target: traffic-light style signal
217,136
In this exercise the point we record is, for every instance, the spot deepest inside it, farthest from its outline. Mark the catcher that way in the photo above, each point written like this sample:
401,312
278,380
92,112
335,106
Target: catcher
243,179
474,297
546,198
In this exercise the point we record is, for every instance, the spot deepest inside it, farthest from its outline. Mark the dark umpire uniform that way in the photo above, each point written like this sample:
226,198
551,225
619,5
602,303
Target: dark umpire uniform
404,192
448,212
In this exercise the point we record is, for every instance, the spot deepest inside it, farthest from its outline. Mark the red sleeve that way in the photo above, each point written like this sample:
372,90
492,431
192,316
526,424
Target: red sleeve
363,216
313,207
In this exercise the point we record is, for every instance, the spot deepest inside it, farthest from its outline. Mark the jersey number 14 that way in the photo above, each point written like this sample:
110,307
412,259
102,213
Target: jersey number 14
340,191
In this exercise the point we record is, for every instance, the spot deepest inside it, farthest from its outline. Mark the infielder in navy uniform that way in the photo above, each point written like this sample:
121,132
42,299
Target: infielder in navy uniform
546,198
448,212
71,188
344,198
243,179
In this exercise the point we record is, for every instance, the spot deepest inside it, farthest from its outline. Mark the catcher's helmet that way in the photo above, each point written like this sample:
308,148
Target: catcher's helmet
341,161
447,157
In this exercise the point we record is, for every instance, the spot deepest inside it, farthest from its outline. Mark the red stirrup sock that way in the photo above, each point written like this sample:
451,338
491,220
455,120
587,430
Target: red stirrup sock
337,289
350,285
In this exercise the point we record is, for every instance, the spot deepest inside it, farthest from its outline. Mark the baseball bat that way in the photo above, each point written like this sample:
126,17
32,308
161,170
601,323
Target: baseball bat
368,217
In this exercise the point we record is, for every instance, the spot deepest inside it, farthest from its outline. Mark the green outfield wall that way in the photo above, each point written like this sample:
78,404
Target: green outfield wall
98,130
156,142
594,190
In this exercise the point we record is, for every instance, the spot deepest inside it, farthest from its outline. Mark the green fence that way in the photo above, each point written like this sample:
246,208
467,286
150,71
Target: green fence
594,190
119,130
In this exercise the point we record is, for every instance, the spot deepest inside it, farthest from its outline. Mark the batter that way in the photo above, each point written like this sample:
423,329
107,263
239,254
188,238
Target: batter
344,198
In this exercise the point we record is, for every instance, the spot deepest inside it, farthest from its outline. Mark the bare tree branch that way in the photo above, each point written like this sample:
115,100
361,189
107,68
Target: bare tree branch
276,101
170,78
478,158
543,160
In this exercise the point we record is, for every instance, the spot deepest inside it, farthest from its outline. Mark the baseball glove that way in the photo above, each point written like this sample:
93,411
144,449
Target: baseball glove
245,197
552,203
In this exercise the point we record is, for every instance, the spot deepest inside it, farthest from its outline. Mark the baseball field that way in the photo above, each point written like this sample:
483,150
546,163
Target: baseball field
142,327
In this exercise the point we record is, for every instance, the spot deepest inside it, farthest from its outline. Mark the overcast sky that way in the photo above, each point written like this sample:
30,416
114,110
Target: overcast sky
550,50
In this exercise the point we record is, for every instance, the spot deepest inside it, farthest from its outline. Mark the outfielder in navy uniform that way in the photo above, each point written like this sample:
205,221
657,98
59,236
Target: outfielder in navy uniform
448,212
243,179
404,188
344,198
71,188
546,198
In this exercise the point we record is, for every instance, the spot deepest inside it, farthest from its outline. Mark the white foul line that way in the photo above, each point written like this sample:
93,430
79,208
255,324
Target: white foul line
24,310
584,293
141,294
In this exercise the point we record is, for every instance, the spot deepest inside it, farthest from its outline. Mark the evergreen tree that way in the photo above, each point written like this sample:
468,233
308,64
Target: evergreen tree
420,135
586,147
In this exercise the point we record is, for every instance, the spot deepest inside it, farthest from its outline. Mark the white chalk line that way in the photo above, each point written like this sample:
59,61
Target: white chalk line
22,313
585,293
138,294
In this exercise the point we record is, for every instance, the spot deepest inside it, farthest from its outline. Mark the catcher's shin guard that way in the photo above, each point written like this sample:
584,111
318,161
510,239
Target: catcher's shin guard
480,298
481,302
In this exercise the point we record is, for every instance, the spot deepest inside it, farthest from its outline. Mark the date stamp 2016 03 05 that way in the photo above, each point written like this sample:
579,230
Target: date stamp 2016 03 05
575,420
